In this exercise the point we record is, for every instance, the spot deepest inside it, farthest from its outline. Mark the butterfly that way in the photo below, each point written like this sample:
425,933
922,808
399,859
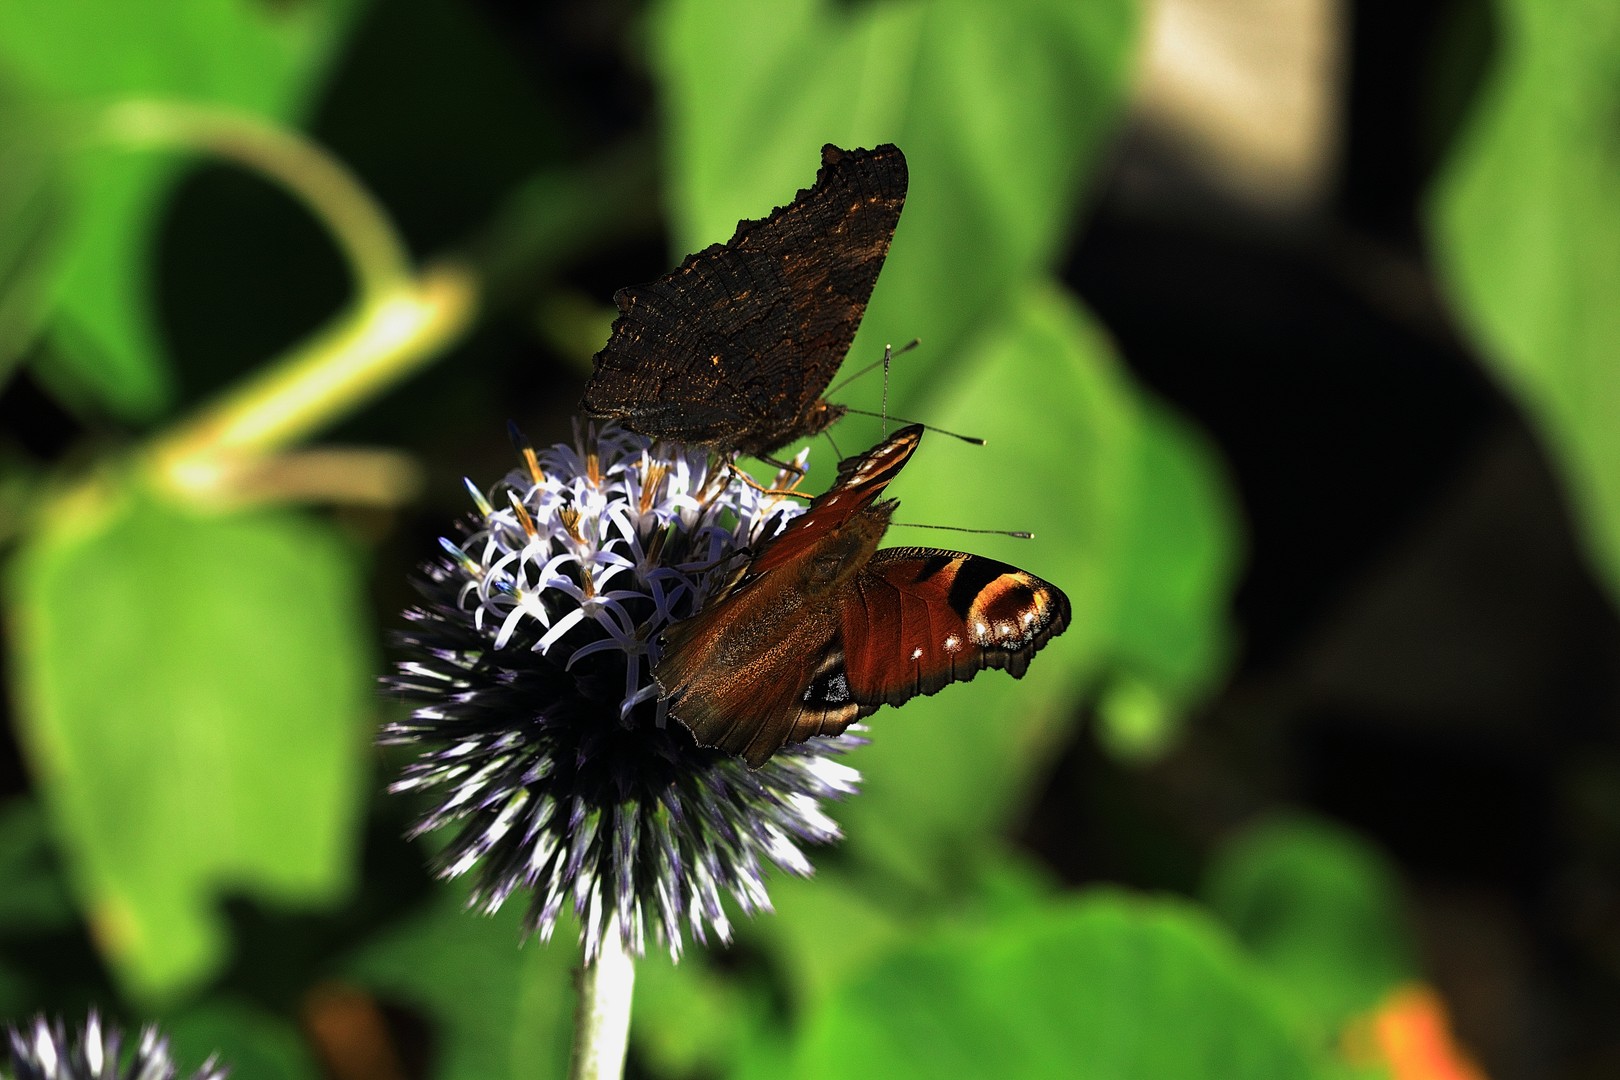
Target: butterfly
821,628
734,348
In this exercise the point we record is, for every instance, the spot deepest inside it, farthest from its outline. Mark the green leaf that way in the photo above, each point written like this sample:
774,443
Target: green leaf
249,1041
1109,986
30,218
15,992
698,1018
1320,908
33,896
692,1019
869,924
500,1006
1526,225
1129,520
1002,111
265,58
34,899
193,697
1135,721
873,920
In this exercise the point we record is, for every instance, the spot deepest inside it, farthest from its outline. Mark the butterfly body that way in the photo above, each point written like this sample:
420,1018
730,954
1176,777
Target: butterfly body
734,348
823,628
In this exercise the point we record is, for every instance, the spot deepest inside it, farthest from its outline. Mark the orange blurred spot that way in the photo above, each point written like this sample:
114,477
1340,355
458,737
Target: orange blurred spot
350,1034
1411,1034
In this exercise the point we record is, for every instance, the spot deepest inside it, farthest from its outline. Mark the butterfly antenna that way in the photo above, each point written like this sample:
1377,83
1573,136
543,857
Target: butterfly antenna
888,358
838,455
973,439
1016,534
888,354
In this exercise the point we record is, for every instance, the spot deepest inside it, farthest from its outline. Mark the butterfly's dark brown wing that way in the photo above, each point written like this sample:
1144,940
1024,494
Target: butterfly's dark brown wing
734,348
753,701
920,619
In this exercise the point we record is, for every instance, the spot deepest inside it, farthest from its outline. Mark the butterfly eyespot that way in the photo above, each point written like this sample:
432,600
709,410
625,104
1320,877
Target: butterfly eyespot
827,690
916,654
952,643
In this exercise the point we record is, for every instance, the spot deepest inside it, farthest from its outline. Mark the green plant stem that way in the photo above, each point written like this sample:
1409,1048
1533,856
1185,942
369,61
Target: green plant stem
364,352
602,1024
398,321
367,239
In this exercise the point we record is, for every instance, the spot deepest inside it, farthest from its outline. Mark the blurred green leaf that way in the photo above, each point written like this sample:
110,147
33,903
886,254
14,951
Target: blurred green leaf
1526,223
1320,908
1135,722
251,1042
869,922
30,218
1108,986
872,918
1178,561
15,996
1002,111
266,58
1129,522
500,1006
33,896
691,1019
193,694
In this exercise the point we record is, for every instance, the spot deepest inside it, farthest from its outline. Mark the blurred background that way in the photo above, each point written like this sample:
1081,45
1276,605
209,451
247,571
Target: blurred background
1292,328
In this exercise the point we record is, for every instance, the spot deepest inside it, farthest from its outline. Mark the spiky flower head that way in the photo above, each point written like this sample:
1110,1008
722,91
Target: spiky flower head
43,1050
540,732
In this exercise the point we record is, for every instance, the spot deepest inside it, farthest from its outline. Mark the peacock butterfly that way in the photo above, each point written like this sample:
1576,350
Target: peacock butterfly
733,349
821,628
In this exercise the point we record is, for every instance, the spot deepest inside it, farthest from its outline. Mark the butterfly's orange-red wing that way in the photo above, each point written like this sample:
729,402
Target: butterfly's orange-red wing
922,619
861,479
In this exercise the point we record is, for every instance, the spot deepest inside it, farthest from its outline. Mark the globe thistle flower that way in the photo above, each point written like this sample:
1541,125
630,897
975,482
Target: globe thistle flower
540,732
43,1051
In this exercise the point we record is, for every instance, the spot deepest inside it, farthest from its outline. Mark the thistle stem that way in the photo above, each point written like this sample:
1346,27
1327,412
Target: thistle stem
602,1024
